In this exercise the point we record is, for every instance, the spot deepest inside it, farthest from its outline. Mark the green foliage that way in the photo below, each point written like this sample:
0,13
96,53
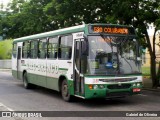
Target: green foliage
24,18
71,12
146,71
35,16
5,49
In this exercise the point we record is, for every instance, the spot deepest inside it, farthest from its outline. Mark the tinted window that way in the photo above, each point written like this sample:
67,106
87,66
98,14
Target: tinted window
52,47
33,49
65,49
42,48
14,50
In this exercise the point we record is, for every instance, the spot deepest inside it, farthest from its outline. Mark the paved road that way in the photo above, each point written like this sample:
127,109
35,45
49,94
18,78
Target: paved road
14,97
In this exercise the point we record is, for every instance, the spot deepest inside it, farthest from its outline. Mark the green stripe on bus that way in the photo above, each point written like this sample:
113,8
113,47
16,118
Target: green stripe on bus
63,69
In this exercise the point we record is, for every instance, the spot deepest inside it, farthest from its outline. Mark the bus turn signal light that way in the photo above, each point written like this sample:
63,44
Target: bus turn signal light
136,90
90,86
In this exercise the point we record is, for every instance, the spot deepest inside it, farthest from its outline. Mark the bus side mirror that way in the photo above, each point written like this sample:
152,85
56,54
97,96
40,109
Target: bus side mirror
142,49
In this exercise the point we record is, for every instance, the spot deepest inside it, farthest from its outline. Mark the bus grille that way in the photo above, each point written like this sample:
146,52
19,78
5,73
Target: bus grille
118,79
116,86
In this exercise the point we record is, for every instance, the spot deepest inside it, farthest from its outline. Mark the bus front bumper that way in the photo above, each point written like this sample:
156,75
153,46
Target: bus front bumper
112,92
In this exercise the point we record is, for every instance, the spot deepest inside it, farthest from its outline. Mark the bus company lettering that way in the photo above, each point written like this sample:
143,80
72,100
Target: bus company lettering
50,68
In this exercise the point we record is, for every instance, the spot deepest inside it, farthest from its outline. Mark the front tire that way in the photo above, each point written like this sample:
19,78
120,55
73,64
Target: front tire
65,92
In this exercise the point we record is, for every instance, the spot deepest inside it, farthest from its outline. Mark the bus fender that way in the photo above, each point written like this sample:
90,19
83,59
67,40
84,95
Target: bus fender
60,80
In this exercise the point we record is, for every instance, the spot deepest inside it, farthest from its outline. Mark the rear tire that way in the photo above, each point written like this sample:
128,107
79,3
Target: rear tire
25,81
65,92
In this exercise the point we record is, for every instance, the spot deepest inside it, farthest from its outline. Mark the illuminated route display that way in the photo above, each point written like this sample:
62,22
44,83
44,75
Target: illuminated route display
122,30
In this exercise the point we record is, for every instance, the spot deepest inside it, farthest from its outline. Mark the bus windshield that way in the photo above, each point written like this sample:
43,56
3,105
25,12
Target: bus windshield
112,55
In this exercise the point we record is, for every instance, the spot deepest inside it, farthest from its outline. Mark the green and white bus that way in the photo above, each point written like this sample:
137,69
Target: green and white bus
86,61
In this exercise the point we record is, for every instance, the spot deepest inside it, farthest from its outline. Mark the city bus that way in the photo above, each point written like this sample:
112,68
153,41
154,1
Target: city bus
86,61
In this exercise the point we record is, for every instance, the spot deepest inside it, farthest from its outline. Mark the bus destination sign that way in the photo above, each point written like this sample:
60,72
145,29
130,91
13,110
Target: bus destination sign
111,29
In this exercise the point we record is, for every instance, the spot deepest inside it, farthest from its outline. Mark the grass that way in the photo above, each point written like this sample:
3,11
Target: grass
5,49
146,71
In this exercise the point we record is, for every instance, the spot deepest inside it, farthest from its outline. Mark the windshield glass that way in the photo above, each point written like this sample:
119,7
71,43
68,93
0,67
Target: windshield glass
110,55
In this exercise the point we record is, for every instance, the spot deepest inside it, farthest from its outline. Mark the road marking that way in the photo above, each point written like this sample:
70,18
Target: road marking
11,110
2,105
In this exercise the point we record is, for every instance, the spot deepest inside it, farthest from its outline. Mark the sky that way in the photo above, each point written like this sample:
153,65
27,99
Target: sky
4,2
151,30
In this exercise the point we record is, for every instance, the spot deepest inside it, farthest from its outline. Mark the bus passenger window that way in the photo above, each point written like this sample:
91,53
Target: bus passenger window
33,49
52,47
14,50
65,50
42,48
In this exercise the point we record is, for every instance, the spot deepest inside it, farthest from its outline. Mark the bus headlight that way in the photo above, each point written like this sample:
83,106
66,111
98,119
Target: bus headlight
101,86
138,84
95,86
134,85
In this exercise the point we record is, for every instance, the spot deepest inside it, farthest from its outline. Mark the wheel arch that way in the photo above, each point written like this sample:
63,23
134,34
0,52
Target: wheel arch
60,80
24,71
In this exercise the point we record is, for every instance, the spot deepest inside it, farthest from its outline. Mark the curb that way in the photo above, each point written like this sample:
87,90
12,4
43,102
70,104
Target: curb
151,89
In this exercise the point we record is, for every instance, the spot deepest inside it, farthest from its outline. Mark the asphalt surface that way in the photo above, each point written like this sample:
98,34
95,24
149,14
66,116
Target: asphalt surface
13,97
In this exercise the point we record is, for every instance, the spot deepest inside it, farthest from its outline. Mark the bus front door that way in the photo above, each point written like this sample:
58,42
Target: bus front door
78,77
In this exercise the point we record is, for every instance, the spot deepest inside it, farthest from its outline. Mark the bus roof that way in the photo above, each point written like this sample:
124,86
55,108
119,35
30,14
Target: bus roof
68,30
52,33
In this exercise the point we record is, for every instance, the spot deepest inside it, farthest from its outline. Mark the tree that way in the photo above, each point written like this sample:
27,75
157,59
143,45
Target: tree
25,18
65,13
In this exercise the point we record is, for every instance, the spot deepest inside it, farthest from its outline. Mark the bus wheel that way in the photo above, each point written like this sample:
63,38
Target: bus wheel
64,91
25,81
